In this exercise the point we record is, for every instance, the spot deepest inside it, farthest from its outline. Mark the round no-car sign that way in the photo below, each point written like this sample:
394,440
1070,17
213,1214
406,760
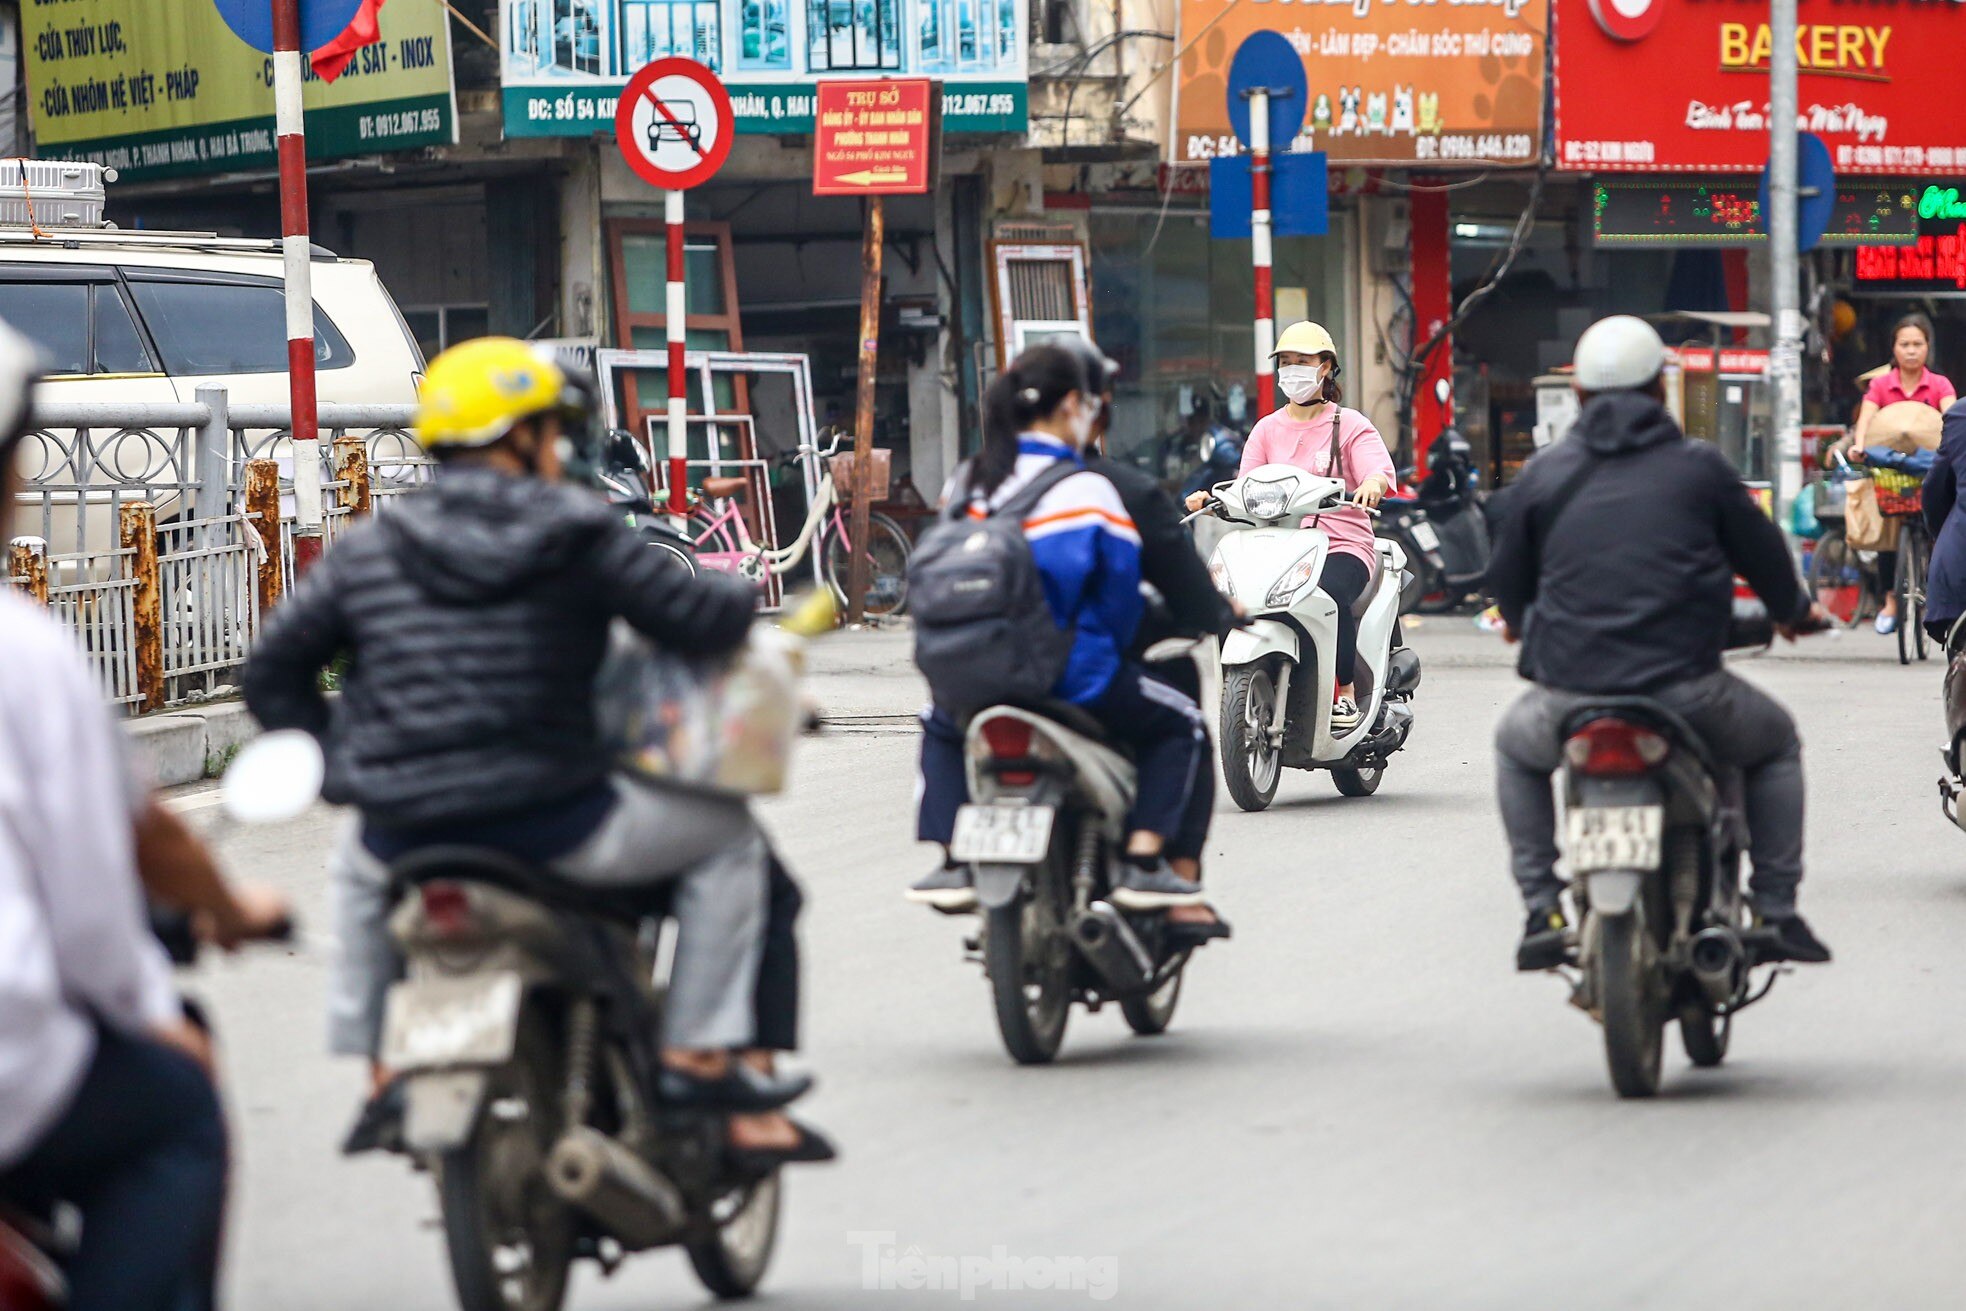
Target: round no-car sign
674,123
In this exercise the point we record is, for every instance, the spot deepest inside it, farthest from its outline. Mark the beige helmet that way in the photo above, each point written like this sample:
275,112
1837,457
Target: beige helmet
1306,338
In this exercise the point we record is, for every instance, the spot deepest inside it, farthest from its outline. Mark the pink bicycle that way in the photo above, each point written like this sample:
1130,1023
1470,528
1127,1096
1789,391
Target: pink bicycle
722,539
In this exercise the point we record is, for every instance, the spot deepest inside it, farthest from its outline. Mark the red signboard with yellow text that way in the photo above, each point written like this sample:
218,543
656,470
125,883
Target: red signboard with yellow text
873,138
1439,84
1662,86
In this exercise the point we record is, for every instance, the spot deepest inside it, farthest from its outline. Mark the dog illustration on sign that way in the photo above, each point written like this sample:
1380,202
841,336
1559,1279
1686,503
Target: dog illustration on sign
1375,113
1348,103
1403,110
1321,114
1430,113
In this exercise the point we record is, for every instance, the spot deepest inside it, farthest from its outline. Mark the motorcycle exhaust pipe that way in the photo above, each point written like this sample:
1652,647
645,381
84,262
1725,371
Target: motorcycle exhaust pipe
1397,722
1403,671
1719,961
1103,936
629,1197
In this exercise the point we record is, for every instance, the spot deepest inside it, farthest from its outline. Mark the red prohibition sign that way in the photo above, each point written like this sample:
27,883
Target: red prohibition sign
674,123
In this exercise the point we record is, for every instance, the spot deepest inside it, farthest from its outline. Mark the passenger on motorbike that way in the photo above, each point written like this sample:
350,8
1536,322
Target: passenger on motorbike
473,619
106,1094
1614,565
1314,431
1039,411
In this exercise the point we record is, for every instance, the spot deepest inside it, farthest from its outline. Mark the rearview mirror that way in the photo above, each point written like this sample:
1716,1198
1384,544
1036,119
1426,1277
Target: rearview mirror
274,778
624,452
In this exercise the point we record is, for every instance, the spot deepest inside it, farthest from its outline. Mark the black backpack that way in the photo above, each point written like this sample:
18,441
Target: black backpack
984,633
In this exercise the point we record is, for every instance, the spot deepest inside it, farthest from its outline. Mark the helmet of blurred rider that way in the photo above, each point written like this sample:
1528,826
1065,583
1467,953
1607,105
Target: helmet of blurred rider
20,369
478,391
1621,353
1101,371
1306,338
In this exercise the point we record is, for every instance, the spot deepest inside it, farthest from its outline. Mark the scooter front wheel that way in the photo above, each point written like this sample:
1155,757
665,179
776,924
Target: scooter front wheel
1252,765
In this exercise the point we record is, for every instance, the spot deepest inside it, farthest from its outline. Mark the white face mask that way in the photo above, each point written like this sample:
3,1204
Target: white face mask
1300,382
1088,414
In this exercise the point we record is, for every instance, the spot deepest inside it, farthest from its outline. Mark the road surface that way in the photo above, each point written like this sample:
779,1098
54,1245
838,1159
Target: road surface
1360,1104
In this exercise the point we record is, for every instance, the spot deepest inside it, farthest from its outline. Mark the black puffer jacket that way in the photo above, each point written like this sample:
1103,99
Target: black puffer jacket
475,616
1629,587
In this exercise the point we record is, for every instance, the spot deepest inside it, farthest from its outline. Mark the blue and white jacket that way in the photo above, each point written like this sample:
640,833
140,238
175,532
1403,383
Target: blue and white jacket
1088,551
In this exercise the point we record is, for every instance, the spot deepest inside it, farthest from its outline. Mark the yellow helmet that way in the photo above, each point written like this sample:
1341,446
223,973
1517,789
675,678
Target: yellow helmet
476,391
1306,338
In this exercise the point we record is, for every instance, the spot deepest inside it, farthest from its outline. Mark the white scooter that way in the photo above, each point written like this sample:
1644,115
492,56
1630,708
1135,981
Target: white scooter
1276,669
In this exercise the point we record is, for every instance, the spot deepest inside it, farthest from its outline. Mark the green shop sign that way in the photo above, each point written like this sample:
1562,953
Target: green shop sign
110,82
1942,203
771,108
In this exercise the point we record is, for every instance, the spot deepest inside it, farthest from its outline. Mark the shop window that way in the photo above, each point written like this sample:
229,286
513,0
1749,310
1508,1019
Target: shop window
575,37
439,327
764,38
658,29
1039,292
963,36
853,35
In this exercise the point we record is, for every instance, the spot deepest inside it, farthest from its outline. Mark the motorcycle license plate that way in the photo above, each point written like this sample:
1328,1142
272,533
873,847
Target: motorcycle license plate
1613,837
435,1023
1002,835
1424,534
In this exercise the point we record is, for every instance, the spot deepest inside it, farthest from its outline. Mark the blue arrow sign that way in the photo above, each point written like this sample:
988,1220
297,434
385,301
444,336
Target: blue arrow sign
1266,59
321,21
1300,198
1815,183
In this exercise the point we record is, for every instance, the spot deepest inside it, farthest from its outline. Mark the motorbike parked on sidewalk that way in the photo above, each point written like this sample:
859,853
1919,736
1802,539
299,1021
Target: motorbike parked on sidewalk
624,480
1277,680
1441,529
1045,832
1653,837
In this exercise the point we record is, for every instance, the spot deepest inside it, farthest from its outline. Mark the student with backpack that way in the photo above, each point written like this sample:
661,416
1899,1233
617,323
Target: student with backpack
981,638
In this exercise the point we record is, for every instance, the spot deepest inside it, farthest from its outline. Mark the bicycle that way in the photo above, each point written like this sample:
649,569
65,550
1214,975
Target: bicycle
722,540
1914,561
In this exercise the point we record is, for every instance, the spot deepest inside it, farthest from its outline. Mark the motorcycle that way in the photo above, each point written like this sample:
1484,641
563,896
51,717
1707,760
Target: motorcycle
1442,529
1953,782
1276,702
624,481
1044,834
1653,836
272,787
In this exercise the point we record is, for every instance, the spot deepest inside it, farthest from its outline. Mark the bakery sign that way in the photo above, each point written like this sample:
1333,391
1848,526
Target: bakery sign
1682,85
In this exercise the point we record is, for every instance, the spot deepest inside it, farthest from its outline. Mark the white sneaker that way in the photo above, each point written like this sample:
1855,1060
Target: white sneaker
1344,716
1886,625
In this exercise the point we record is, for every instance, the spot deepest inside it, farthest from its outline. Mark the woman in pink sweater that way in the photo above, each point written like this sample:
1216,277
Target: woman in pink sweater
1303,433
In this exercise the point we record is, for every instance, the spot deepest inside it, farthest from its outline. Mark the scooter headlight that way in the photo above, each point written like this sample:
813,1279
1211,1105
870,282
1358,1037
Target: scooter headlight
1293,581
1268,500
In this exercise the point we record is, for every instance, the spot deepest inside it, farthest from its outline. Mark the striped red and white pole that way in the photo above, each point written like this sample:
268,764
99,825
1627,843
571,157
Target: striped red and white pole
675,311
292,143
1259,242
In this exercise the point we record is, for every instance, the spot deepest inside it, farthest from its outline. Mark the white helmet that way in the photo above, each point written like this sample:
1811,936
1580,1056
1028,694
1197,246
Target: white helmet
1620,353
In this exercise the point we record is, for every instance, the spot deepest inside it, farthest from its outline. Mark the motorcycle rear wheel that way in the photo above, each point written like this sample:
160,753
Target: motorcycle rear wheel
1029,963
1634,1012
732,1263
510,1240
1704,1035
1251,765
1358,782
1150,1013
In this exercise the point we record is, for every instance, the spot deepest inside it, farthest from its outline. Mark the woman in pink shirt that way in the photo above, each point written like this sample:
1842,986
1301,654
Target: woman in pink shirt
1907,380
1302,433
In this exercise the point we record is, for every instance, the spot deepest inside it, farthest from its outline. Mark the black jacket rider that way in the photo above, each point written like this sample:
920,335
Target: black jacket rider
1632,586
479,609
1168,561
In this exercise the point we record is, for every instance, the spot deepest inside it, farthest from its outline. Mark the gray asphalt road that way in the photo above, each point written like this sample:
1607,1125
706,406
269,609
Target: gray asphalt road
1360,1104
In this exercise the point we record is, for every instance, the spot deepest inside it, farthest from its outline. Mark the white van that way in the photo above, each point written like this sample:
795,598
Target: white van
135,317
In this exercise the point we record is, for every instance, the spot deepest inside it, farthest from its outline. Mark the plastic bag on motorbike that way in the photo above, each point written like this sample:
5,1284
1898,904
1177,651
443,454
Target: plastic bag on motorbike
723,726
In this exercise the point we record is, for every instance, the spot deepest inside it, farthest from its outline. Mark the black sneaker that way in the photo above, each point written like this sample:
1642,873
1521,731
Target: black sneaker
1154,887
949,888
1794,941
1543,945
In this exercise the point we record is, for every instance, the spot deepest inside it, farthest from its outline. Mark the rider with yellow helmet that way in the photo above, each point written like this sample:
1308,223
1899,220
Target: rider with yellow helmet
474,616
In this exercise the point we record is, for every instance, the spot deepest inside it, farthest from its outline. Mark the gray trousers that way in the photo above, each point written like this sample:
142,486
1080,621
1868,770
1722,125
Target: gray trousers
1742,727
709,846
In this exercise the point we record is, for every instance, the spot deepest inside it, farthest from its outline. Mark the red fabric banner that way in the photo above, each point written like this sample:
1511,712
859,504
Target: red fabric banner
365,29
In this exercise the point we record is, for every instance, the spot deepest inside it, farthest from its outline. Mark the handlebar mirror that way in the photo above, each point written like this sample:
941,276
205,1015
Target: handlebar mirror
624,452
274,778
